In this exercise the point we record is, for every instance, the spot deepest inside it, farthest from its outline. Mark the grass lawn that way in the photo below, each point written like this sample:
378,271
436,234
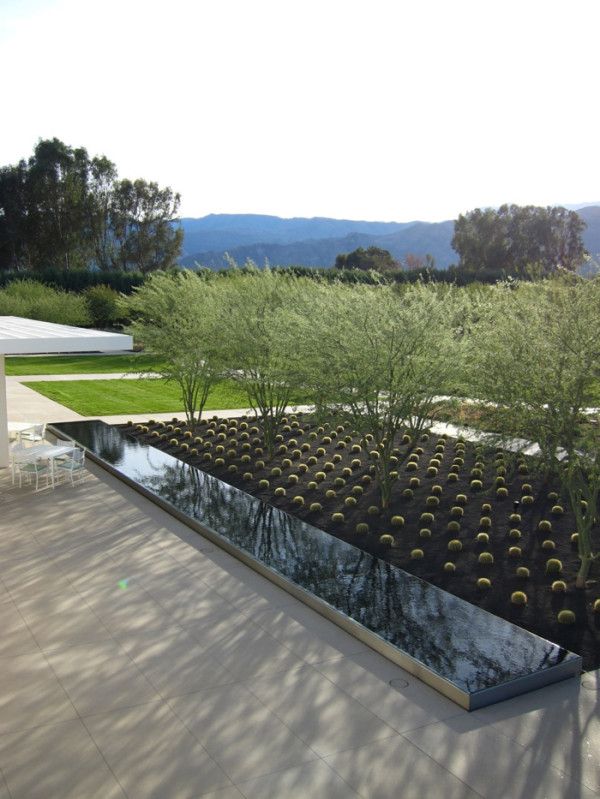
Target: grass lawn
120,397
79,364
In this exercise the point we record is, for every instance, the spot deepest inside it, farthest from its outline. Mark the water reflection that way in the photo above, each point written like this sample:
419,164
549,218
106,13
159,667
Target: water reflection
462,643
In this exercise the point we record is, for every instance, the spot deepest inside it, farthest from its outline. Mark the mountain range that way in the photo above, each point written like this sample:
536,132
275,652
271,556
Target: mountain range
317,241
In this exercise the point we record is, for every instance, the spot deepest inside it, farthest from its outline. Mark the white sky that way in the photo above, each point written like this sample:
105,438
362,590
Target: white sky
378,109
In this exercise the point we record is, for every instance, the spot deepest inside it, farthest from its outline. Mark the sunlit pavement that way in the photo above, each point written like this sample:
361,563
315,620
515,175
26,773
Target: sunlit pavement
138,660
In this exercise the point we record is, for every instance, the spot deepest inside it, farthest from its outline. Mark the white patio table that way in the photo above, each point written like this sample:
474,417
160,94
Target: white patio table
48,452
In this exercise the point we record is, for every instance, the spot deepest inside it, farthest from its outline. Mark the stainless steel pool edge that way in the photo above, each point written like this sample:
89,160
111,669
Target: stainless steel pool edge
468,701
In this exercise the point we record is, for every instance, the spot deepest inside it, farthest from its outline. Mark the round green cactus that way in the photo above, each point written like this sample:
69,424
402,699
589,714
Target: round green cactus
518,598
417,554
522,572
484,584
553,566
514,552
486,558
315,507
337,518
566,617
548,545
362,528
373,510
449,567
558,587
482,538
455,545
424,532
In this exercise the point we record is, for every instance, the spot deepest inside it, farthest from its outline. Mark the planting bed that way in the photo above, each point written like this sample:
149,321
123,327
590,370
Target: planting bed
458,546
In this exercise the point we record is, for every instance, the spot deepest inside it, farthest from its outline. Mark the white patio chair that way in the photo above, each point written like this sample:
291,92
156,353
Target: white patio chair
31,468
72,466
34,433
19,454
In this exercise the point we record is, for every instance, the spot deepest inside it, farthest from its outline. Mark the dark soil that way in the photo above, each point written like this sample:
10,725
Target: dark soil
302,439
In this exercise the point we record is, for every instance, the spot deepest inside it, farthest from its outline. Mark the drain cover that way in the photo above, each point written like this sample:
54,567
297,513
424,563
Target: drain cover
398,682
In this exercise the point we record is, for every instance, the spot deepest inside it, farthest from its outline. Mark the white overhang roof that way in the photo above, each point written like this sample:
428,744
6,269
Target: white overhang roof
20,336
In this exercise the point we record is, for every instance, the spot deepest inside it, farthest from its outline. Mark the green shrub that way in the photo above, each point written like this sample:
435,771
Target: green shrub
34,300
103,305
566,617
518,598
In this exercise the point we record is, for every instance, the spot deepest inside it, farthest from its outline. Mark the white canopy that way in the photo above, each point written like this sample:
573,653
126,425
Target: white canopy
20,336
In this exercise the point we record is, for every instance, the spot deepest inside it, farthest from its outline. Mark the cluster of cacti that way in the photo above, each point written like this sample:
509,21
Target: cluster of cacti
329,475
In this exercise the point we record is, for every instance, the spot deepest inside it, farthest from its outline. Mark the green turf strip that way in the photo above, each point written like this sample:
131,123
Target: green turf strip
79,364
116,397
120,397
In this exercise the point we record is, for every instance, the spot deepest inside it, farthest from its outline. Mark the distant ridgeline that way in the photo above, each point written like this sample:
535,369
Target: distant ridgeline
318,241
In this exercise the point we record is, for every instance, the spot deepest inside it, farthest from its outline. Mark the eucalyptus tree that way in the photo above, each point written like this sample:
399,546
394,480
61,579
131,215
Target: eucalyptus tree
380,357
175,317
535,355
256,327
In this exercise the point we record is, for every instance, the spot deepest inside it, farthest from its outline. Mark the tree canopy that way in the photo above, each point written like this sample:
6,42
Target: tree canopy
519,240
373,258
62,209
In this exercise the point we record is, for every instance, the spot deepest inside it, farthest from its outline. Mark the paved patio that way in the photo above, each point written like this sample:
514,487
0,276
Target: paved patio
138,660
